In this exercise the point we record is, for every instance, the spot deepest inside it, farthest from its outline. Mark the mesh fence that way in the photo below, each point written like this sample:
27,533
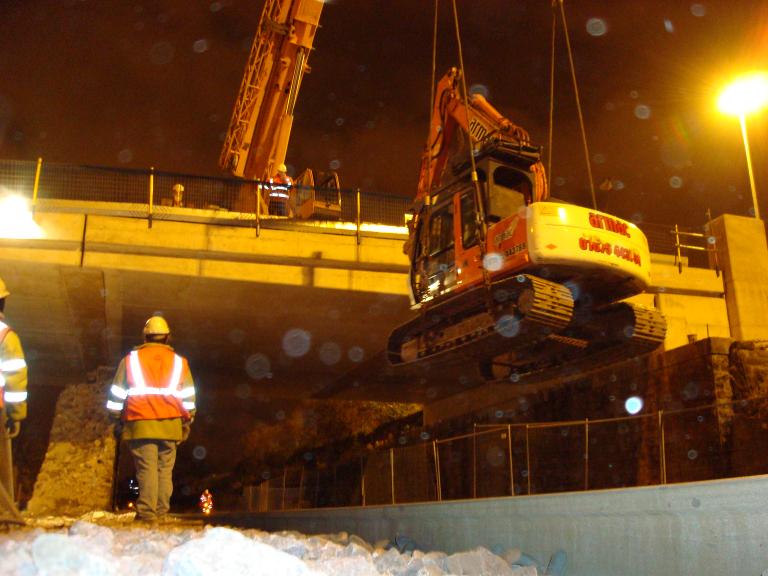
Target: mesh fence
703,443
378,478
414,473
104,184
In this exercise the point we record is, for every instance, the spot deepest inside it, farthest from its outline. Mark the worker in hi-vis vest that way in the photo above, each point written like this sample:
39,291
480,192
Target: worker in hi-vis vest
13,391
153,397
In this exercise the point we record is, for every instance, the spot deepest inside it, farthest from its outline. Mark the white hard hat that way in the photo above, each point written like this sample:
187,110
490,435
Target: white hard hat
156,325
3,290
282,168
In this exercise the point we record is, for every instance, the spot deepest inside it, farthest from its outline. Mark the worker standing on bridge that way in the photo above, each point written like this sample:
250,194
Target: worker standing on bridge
153,396
13,391
280,191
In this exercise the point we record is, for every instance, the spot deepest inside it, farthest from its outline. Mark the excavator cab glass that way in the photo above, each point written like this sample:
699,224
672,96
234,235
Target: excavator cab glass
469,225
435,257
510,190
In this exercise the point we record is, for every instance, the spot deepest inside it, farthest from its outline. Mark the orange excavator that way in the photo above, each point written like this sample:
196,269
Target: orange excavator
503,275
256,143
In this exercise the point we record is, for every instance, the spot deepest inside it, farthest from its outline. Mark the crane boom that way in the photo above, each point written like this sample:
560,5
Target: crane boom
257,138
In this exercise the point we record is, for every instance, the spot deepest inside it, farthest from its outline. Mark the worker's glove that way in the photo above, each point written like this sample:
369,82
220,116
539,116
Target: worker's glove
13,427
186,428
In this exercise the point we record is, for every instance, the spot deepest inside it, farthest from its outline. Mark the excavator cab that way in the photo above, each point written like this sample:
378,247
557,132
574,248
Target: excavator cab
447,252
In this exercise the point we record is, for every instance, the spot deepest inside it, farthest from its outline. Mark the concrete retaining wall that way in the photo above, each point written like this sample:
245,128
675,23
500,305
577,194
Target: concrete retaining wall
704,529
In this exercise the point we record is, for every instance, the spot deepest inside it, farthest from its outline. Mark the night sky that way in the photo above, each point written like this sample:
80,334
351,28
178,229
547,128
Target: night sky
152,83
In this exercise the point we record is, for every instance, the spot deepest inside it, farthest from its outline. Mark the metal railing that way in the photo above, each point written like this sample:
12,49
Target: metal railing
690,444
151,192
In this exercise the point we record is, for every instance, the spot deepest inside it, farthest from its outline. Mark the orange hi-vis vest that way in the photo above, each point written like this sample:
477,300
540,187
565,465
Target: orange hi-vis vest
155,377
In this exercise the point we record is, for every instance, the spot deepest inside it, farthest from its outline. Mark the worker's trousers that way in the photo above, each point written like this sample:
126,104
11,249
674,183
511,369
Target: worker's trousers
154,460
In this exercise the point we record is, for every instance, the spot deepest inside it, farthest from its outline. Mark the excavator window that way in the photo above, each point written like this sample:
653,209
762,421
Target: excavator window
441,230
468,221
510,191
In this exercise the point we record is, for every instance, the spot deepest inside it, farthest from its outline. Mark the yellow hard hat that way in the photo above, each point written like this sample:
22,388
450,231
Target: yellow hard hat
156,325
282,168
3,290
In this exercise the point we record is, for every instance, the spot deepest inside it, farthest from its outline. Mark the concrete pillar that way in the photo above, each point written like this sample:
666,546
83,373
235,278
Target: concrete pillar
743,257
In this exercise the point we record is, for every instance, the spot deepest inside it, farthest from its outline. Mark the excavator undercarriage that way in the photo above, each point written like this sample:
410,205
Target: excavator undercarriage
525,328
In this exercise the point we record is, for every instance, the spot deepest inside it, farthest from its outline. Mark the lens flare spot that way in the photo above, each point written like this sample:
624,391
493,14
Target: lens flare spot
642,112
329,353
243,391
258,366
596,27
481,89
161,53
296,342
676,182
199,452
633,404
698,10
356,354
125,155
200,46
493,261
508,326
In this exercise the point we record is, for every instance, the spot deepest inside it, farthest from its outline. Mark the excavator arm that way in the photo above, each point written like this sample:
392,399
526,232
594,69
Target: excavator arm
257,138
477,120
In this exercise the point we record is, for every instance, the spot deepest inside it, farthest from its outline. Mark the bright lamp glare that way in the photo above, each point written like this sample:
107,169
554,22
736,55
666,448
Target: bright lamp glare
745,95
16,219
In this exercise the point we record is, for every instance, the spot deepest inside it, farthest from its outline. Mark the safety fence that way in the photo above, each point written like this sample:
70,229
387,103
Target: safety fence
691,444
154,189
151,195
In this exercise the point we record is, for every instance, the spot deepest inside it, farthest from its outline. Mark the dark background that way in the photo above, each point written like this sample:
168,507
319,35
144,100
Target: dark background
152,83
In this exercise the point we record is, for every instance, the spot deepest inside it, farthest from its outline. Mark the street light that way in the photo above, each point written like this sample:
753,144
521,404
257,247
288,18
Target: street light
746,95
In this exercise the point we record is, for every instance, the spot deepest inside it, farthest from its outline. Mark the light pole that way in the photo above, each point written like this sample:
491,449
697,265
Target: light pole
746,95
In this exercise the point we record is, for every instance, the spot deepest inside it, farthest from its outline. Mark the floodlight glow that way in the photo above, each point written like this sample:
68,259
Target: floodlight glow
745,95
16,218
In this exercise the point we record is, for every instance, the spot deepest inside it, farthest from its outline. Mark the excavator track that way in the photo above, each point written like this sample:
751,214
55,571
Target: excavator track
595,339
510,313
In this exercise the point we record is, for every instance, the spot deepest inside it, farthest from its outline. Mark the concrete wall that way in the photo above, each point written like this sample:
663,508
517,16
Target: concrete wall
691,299
743,256
705,528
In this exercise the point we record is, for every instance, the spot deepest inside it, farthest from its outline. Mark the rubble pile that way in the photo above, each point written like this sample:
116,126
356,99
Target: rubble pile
76,475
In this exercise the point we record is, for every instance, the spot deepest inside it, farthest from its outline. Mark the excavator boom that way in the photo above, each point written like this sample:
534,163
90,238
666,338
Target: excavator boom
477,120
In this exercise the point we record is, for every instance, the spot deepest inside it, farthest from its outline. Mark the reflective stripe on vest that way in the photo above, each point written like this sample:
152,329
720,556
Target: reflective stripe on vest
139,388
7,366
